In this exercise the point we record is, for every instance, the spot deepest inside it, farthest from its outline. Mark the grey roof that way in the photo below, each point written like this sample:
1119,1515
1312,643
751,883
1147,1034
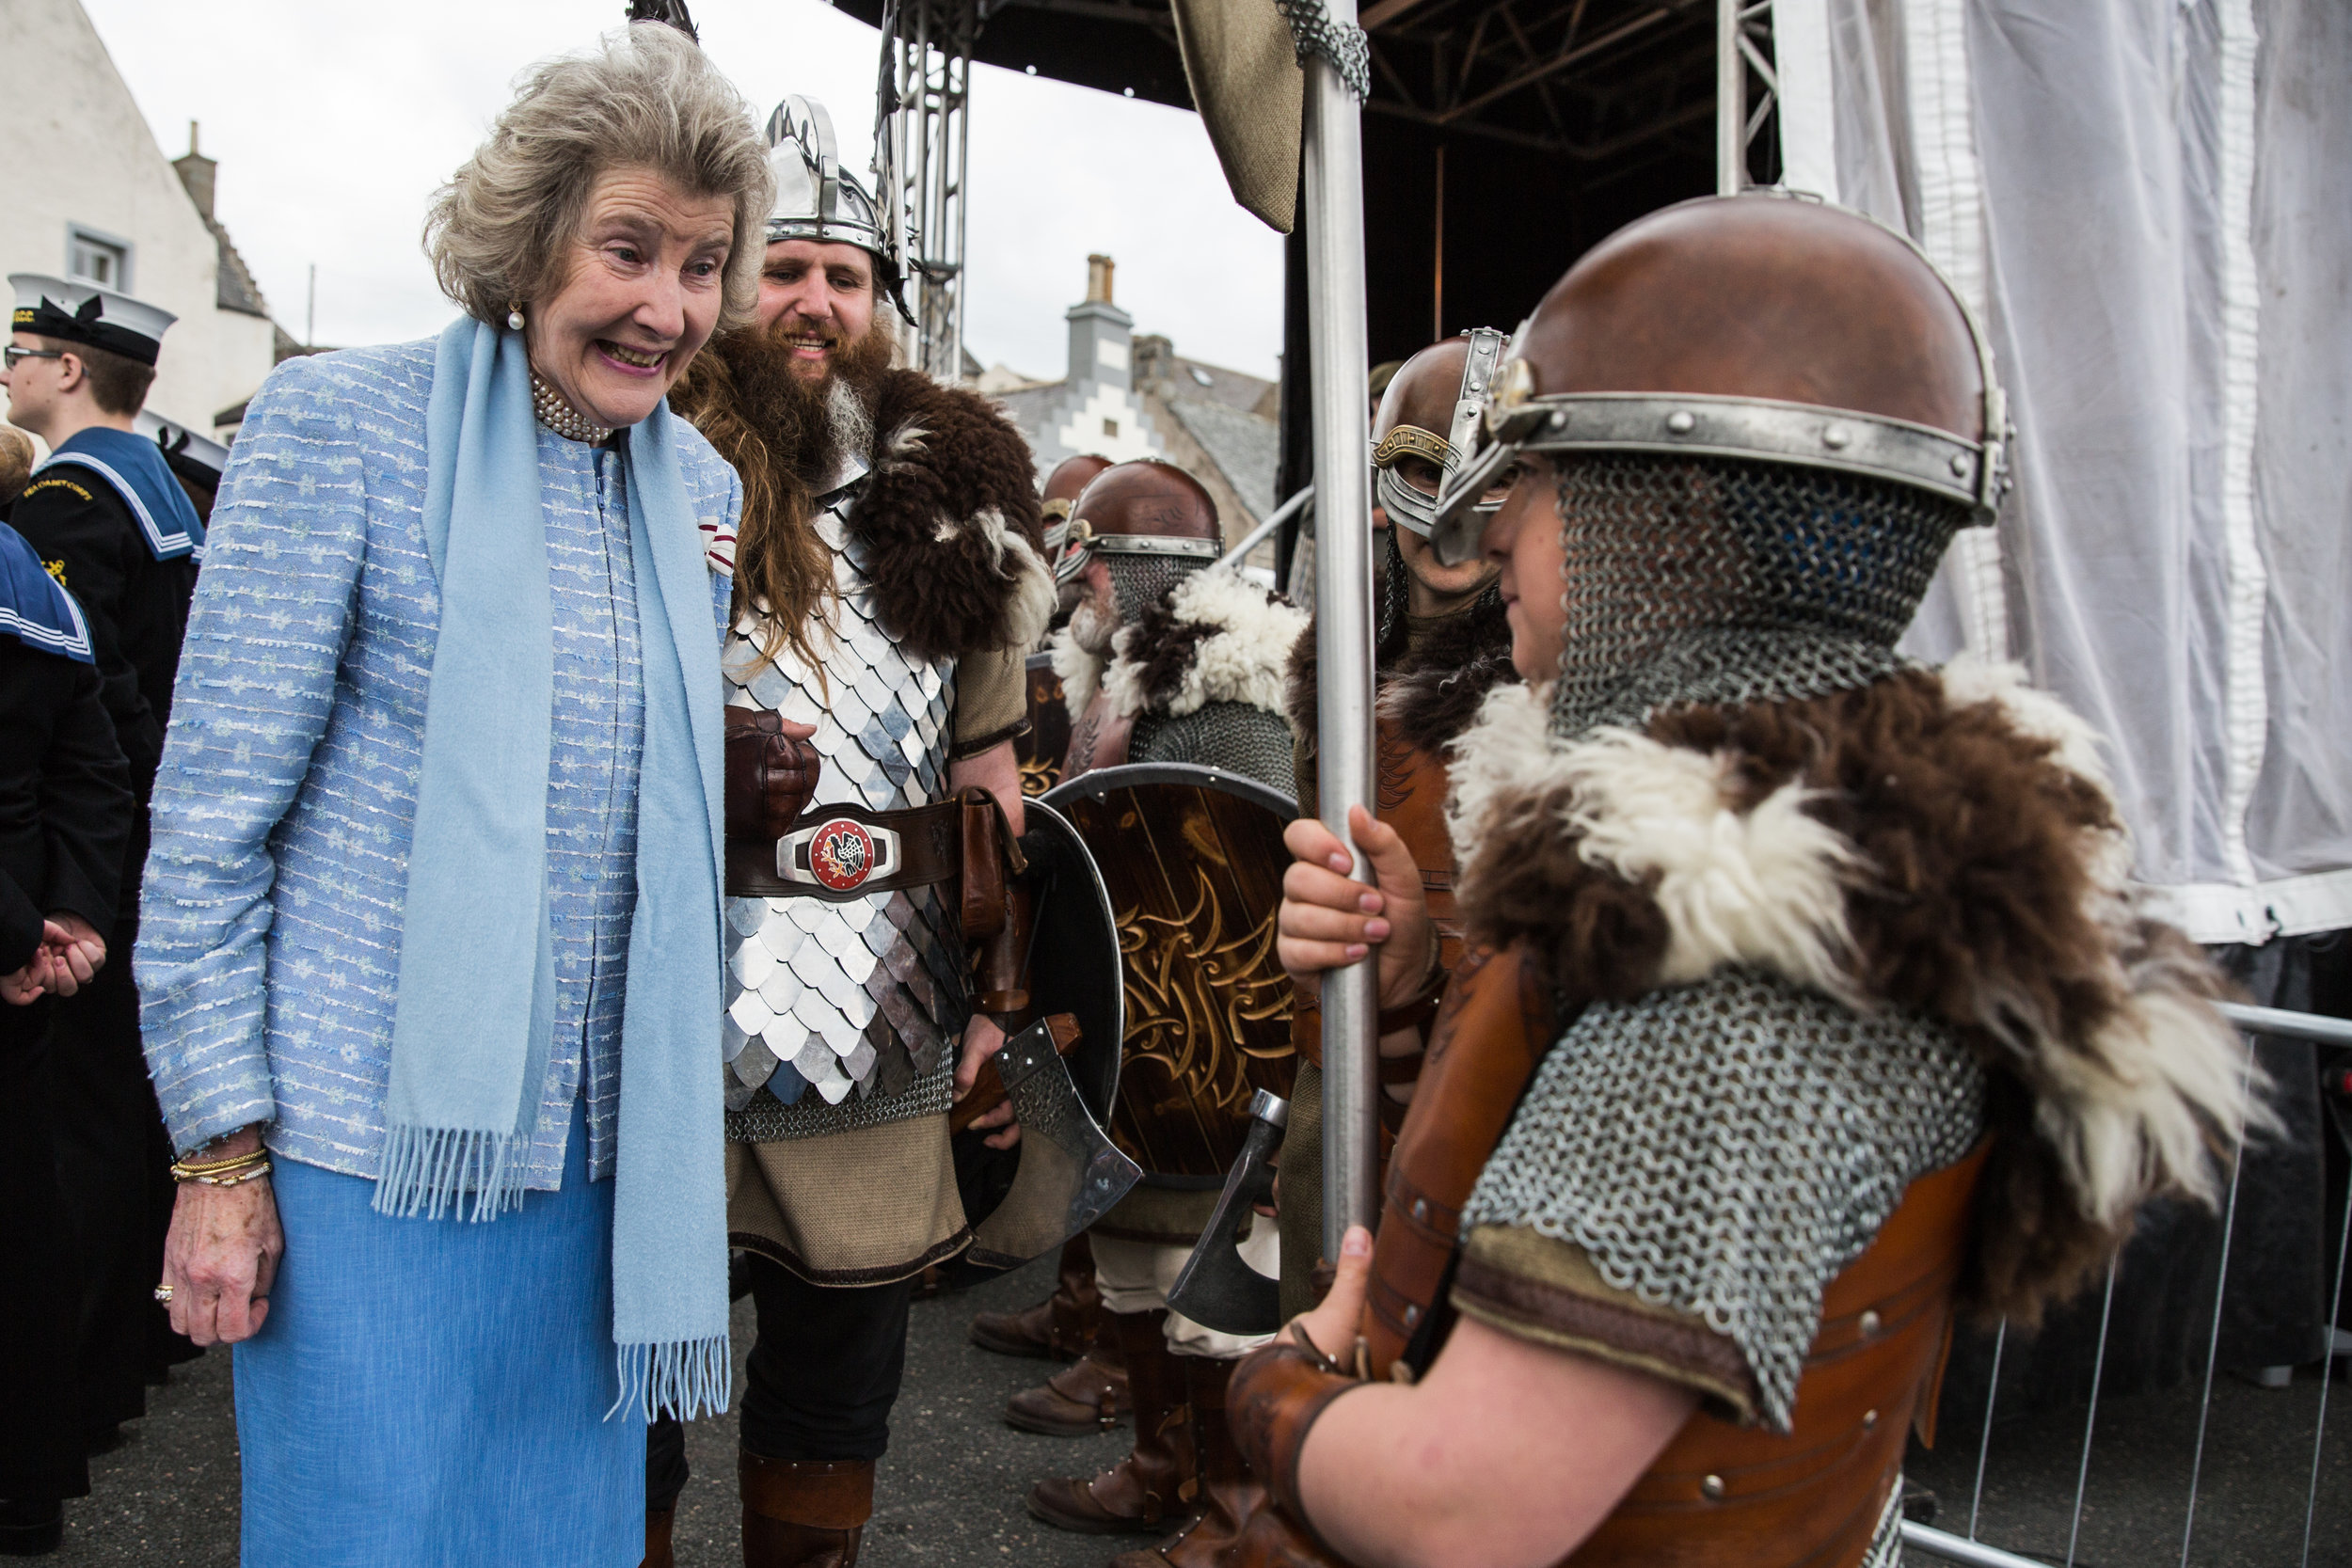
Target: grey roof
1243,445
1192,380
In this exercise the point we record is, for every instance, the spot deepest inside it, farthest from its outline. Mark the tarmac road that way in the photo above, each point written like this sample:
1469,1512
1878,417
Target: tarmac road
950,1491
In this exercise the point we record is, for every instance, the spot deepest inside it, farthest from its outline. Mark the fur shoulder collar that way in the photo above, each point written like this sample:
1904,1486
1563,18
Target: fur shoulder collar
1432,694
948,520
1941,842
1213,636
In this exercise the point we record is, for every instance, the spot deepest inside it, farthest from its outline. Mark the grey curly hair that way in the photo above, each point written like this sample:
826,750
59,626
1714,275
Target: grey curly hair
503,228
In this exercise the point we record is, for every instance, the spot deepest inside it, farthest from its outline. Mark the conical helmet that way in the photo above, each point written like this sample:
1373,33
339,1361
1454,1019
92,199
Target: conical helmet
817,200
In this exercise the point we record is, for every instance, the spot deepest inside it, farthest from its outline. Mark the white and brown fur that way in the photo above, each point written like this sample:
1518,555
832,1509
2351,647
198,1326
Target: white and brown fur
1213,637
1945,841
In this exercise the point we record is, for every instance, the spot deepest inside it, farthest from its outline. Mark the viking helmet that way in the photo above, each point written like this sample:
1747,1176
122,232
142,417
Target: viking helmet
1757,328
1150,521
1431,410
817,200
1767,419
1069,480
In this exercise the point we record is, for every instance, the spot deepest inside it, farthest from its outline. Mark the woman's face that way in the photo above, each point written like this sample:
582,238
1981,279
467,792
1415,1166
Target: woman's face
643,293
1524,542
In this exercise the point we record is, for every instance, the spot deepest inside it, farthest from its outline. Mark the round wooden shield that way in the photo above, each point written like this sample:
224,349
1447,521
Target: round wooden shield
1193,860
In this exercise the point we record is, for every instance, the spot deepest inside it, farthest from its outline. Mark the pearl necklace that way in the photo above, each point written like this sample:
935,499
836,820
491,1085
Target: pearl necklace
562,418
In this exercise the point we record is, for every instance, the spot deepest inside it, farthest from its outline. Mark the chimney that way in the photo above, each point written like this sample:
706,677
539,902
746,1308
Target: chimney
1099,333
196,173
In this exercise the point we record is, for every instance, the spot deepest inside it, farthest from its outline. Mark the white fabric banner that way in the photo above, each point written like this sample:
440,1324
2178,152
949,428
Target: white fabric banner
2150,201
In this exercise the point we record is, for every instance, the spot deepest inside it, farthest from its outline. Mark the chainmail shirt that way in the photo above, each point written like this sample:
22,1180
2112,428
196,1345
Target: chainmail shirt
1235,736
1720,581
1723,1150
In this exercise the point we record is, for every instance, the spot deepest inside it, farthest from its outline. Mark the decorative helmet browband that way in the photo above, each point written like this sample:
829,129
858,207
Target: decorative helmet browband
1431,410
1064,487
1760,327
1149,522
817,200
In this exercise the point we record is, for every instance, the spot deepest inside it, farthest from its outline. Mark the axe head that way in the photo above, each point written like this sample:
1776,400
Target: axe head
1070,1173
1216,1287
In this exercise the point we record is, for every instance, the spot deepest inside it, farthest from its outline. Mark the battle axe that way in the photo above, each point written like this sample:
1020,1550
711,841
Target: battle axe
1216,1287
1070,1173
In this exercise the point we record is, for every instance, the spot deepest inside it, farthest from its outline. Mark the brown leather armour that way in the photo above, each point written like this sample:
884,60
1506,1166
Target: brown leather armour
1722,1493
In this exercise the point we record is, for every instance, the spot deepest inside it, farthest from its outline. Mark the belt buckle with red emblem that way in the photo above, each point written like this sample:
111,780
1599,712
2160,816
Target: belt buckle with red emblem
838,855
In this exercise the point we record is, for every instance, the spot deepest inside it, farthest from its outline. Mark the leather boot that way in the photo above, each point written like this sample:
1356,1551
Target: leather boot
804,1513
1228,1494
658,1553
1146,1488
1089,1395
1060,1328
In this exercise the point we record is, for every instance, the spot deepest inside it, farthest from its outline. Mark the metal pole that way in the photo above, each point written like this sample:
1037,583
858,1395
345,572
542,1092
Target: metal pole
1339,358
1256,536
1731,102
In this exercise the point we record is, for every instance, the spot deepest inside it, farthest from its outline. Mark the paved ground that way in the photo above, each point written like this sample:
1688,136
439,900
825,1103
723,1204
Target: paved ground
950,1491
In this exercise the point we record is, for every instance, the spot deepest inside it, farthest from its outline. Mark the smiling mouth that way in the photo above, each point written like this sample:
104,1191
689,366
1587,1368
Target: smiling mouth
807,343
643,360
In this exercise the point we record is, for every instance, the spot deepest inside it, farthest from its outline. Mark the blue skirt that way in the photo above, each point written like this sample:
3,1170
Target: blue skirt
431,1393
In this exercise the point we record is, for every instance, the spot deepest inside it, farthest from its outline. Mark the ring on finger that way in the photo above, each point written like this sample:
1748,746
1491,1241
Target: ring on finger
164,1292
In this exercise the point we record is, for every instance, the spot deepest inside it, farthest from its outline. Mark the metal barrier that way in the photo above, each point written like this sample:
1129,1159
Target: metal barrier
1969,1550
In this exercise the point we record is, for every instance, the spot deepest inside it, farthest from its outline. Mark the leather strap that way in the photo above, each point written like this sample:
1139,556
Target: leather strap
825,1494
925,847
1276,1394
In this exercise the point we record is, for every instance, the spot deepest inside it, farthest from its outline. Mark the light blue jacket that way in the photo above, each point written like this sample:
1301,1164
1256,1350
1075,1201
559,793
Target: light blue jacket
270,925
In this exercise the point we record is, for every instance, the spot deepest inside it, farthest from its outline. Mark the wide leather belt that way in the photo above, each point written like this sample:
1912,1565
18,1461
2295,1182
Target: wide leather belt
839,853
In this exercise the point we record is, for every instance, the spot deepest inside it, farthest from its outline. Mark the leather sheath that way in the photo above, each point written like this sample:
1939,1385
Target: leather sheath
1097,739
1720,1493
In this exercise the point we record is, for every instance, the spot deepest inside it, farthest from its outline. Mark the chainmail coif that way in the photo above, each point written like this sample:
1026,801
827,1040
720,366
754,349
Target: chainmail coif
1711,581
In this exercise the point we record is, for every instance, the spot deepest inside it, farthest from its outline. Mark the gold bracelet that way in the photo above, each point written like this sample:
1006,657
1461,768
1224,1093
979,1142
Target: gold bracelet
198,1170
227,1161
236,1179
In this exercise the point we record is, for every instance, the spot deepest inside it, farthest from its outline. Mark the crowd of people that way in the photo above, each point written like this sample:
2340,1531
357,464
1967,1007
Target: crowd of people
562,864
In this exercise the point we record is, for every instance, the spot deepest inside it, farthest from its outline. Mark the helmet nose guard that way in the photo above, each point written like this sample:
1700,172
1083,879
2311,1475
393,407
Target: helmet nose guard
1431,410
1826,309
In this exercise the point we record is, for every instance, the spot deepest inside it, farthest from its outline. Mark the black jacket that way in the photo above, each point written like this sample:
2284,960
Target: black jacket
65,800
137,605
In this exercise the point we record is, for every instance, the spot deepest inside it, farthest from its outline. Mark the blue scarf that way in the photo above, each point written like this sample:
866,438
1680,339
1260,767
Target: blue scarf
35,609
471,1033
135,467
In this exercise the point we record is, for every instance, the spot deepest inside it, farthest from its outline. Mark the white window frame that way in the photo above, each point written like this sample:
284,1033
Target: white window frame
80,235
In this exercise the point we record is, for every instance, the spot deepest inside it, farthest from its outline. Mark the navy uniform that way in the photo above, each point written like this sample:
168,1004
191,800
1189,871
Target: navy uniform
111,522
65,817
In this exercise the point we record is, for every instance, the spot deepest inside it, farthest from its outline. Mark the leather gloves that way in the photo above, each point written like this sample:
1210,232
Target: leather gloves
771,776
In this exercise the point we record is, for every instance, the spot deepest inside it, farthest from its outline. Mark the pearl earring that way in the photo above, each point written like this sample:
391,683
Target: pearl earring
514,315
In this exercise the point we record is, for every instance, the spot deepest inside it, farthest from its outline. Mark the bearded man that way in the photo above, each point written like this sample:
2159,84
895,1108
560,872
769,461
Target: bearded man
1775,1044
884,587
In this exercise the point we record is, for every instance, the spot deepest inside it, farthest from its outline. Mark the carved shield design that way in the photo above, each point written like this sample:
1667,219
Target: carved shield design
1040,751
1193,859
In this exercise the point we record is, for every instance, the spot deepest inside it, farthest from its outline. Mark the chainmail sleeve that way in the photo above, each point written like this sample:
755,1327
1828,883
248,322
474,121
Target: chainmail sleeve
1235,736
1690,1170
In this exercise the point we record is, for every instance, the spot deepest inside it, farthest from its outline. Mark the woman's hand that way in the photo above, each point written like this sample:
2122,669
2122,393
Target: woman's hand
981,1040
221,1257
1329,920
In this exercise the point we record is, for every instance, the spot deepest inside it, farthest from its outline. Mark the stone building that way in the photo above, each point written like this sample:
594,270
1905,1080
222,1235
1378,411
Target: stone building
1124,396
90,194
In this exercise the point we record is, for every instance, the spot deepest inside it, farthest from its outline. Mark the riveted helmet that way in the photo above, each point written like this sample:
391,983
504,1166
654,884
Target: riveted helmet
1064,487
1431,411
1766,417
1149,522
817,200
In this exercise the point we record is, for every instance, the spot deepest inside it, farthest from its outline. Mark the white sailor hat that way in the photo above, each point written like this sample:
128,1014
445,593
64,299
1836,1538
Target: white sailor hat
88,314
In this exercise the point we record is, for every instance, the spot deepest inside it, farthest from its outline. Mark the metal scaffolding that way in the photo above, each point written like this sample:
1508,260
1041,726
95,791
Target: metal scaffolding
921,153
1743,30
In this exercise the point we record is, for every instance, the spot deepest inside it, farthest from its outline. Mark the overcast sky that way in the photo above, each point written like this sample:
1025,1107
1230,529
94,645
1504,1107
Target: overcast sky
333,123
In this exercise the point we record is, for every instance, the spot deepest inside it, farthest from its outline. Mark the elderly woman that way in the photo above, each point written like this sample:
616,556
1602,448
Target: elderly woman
430,952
